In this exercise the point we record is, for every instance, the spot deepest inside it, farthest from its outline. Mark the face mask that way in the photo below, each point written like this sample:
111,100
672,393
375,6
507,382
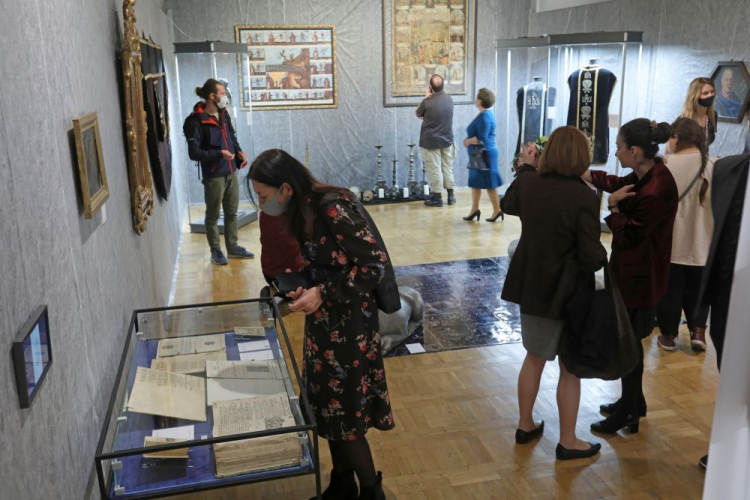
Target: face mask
272,207
223,102
706,102
668,149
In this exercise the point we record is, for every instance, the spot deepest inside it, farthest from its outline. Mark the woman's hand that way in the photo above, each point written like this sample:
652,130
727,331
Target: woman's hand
529,155
467,142
307,301
619,195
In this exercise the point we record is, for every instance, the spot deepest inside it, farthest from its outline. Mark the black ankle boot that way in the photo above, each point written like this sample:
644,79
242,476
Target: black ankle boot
375,492
451,198
615,422
435,201
612,407
342,487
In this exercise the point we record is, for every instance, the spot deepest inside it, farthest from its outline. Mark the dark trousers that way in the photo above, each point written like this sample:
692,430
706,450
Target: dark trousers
642,321
684,288
719,312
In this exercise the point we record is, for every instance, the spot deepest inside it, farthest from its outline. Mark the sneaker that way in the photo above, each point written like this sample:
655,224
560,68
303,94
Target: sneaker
698,338
435,201
703,462
217,257
666,343
451,198
239,252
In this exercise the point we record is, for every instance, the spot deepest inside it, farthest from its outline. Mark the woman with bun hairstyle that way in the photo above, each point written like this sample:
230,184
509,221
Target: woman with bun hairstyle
642,209
699,106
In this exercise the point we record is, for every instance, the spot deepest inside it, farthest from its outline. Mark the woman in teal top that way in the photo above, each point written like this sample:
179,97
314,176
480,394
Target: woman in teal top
482,131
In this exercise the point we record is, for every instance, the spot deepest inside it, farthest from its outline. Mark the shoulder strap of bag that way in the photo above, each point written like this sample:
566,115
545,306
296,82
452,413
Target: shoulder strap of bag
685,193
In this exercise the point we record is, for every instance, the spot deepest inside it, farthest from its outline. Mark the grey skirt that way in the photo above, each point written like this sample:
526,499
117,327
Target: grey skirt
541,336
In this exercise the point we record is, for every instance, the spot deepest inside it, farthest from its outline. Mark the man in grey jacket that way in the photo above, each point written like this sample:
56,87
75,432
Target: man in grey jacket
436,141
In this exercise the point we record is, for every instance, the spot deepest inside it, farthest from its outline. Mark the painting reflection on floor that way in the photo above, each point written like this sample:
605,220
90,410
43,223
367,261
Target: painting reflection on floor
462,302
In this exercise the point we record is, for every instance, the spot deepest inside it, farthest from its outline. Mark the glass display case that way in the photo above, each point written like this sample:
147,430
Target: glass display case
197,62
204,398
588,80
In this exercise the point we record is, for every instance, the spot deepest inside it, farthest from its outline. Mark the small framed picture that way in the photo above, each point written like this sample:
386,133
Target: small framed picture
32,355
732,83
91,171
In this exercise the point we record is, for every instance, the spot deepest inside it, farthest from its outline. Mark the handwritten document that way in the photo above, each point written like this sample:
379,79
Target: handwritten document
181,346
168,394
243,369
190,363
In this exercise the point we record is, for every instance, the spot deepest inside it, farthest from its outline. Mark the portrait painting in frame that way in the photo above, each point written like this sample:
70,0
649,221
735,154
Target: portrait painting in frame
91,171
732,83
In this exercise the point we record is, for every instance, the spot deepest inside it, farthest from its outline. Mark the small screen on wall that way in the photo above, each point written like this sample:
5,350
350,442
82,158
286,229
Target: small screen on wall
32,355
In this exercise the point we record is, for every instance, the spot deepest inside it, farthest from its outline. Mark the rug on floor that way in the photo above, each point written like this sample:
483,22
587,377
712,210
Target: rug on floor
463,307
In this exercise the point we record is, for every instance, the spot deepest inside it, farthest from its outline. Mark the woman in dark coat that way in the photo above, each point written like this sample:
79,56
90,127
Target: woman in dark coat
643,206
559,246
344,371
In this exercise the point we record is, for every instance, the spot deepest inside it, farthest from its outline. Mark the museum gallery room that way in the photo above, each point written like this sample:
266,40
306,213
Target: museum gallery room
307,249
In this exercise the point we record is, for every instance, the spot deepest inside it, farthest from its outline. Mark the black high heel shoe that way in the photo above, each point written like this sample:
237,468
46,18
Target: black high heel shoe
499,214
614,423
476,213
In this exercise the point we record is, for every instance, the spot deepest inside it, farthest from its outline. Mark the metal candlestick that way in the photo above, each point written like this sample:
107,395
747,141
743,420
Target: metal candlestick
414,187
394,191
380,183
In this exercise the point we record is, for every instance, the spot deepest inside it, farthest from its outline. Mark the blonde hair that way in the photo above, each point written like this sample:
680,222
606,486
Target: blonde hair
567,152
690,108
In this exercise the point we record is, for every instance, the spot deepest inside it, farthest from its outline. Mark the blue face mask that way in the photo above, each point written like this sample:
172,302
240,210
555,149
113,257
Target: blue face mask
272,207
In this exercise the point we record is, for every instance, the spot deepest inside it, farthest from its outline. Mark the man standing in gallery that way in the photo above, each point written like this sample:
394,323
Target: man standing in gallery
436,141
212,142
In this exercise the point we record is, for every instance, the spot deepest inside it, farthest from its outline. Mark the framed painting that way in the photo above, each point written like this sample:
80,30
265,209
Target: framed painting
422,38
732,83
287,67
91,171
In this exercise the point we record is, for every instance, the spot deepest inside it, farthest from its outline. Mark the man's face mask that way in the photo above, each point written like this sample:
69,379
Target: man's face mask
272,207
222,102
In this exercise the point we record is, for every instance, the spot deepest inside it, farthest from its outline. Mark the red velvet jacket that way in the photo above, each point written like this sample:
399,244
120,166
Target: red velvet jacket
642,233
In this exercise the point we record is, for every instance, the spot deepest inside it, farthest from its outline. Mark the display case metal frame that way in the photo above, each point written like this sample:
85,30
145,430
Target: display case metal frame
567,43
244,217
110,458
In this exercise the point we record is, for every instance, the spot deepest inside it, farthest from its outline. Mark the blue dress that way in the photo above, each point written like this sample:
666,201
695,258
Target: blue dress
483,128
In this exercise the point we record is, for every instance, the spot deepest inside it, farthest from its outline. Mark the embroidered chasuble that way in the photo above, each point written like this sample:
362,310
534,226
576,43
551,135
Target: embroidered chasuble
533,102
591,90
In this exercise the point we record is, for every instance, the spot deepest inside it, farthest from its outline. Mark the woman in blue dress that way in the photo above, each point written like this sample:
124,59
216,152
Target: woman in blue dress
482,131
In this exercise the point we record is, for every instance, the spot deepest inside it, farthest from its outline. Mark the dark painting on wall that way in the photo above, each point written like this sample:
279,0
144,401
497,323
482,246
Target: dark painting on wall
91,172
156,102
732,83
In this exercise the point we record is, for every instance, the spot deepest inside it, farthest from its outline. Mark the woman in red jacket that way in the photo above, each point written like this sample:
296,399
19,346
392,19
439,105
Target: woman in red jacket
642,209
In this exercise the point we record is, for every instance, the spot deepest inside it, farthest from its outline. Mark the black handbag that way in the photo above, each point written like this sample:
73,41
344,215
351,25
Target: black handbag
290,282
478,158
599,341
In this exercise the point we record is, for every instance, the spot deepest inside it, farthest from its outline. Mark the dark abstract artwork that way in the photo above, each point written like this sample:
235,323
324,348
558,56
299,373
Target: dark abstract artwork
463,307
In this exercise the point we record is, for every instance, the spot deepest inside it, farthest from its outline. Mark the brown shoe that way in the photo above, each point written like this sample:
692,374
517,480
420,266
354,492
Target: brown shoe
698,338
666,343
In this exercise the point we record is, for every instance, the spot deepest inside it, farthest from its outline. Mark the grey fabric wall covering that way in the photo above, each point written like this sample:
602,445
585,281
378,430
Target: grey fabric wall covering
59,62
684,39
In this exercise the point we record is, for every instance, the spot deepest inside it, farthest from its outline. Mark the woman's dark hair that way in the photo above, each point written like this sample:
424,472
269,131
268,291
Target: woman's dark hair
690,134
486,97
645,134
210,87
276,167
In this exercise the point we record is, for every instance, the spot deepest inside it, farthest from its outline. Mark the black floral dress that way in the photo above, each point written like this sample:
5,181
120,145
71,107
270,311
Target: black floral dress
344,369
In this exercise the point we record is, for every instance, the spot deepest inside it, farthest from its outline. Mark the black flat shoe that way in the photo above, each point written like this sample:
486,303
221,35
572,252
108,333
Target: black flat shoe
563,453
476,213
614,423
612,407
523,437
703,462
493,219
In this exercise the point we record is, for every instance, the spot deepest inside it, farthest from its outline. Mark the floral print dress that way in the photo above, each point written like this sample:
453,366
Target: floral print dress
344,370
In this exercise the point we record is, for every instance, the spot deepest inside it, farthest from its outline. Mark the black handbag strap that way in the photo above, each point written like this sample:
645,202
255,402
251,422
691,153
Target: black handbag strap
685,193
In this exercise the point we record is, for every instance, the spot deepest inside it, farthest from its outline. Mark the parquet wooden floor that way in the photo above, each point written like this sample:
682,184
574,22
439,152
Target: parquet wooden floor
456,411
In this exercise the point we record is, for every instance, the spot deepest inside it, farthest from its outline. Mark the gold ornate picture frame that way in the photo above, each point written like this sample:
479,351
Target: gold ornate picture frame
91,170
141,185
287,67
